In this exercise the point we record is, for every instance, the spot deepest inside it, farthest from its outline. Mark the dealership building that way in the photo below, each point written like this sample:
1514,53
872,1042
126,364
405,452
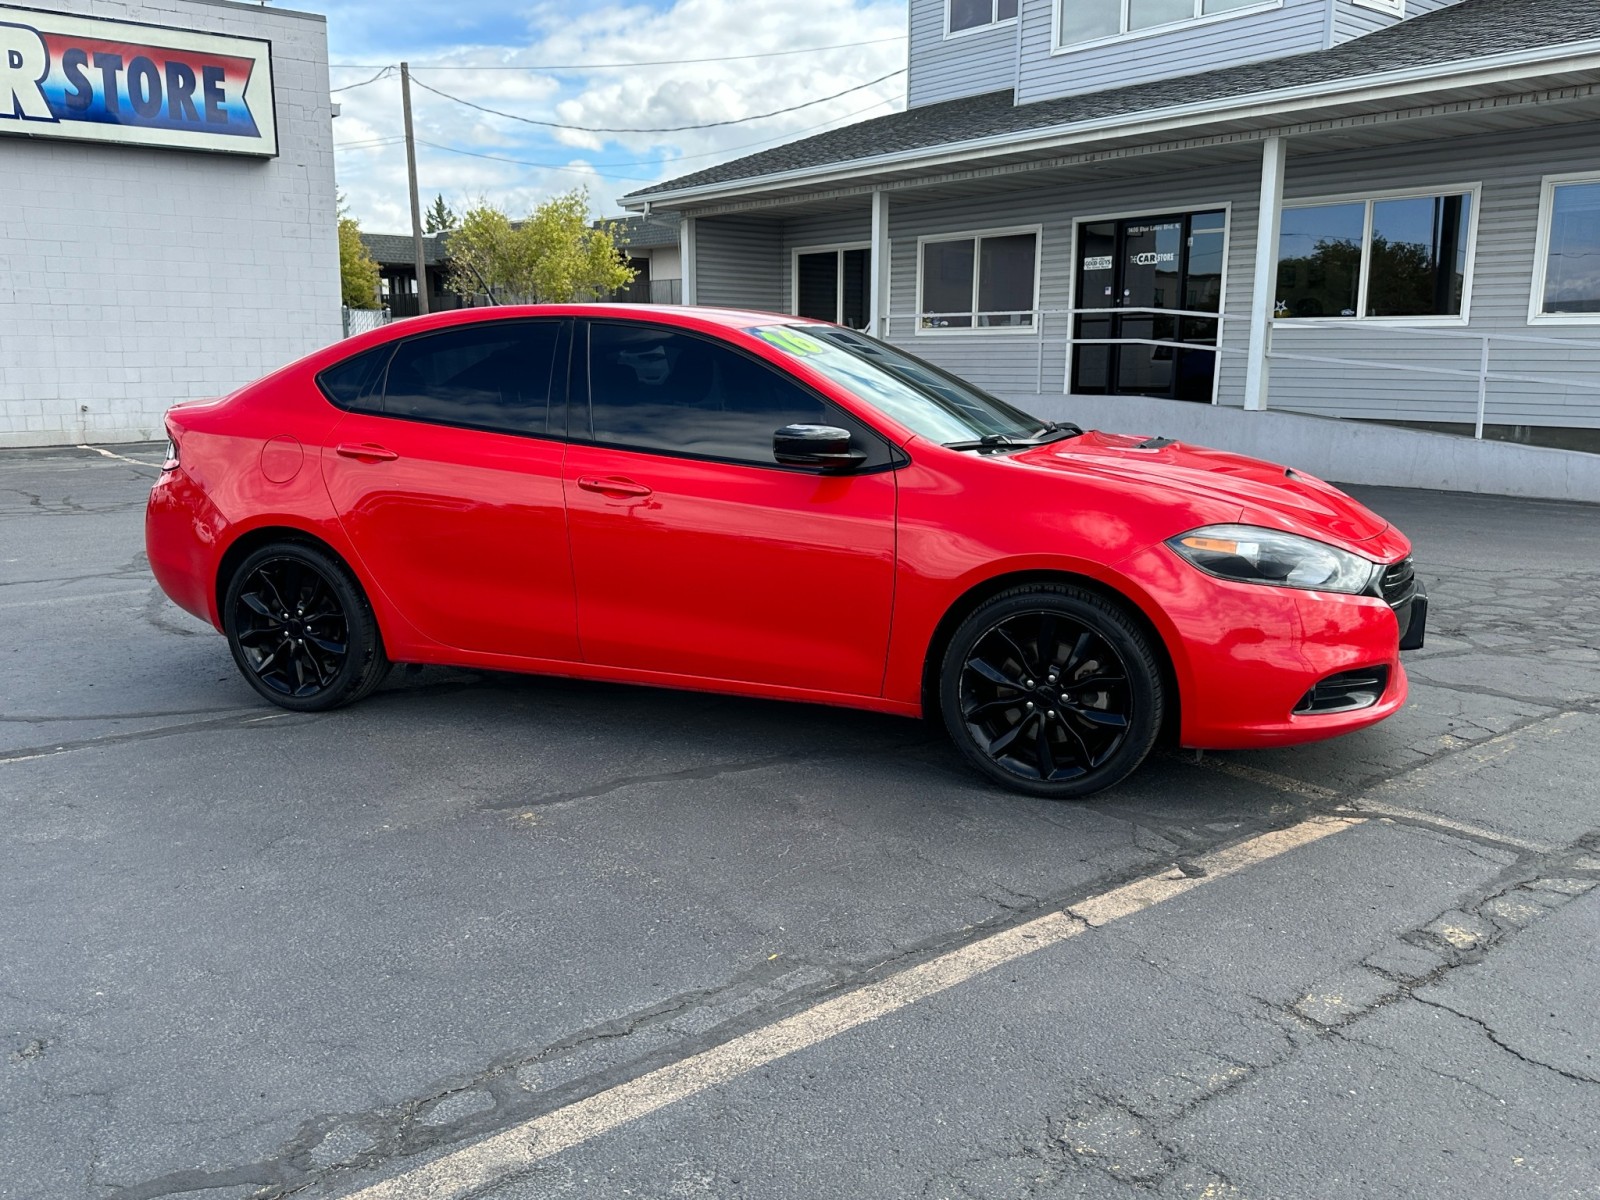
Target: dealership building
167,180
1358,236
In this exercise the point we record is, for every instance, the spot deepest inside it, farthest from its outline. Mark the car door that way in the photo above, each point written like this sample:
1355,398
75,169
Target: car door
446,474
693,551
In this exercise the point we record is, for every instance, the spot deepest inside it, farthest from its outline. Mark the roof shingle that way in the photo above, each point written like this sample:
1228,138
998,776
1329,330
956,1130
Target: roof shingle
396,249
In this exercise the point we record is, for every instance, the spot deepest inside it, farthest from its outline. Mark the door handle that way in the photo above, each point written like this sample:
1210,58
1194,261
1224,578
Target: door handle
366,453
614,487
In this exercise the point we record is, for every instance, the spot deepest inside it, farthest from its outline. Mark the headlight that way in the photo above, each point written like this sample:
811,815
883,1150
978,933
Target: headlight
1252,555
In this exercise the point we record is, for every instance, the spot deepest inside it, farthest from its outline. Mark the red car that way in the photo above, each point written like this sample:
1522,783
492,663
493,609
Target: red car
748,503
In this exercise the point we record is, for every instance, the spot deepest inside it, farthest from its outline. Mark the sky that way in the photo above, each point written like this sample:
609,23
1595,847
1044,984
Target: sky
557,51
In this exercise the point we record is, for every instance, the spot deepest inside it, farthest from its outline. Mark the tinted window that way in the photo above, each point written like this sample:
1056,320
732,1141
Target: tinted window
657,389
494,376
353,383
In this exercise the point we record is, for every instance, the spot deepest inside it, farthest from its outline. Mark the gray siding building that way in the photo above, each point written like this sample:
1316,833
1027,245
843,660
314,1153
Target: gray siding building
1362,236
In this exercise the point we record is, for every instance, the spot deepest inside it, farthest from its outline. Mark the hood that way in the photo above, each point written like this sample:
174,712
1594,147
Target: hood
1268,494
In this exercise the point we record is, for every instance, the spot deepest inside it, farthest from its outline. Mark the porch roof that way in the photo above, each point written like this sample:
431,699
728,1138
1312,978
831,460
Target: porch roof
1473,49
397,250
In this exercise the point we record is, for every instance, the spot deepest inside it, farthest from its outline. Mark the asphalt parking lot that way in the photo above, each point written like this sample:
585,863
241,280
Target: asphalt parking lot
485,935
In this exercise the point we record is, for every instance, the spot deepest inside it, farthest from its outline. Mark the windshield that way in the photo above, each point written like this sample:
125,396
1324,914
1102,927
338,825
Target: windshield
931,402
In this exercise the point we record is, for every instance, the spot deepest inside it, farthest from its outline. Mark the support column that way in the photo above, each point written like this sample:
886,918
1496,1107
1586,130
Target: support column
878,323
687,259
1264,289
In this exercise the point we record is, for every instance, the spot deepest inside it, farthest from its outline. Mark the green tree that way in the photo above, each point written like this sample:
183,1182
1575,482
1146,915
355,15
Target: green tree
439,218
358,270
555,256
1404,280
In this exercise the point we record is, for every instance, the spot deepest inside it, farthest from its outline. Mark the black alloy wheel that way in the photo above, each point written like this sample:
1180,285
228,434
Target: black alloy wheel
1052,690
300,629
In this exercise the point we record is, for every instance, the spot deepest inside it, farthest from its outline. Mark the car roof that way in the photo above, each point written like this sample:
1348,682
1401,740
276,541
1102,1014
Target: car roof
673,314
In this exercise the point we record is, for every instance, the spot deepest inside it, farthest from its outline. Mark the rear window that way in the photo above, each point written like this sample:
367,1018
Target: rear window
355,382
490,375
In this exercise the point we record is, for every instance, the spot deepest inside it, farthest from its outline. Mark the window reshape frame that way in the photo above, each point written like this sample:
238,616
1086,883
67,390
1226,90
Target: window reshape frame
1542,247
1473,192
1127,32
839,250
997,17
977,237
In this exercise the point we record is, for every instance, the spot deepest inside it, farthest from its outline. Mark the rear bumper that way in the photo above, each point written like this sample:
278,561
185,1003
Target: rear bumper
183,537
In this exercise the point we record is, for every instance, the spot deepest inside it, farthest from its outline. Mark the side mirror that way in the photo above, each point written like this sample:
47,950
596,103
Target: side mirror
824,446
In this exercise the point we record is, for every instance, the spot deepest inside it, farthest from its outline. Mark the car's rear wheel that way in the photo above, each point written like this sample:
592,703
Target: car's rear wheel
301,629
1052,690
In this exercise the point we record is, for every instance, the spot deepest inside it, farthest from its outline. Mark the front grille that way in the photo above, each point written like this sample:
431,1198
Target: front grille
1399,582
1345,692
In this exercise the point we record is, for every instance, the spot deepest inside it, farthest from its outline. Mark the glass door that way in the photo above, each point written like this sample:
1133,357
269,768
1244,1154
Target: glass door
832,285
1150,285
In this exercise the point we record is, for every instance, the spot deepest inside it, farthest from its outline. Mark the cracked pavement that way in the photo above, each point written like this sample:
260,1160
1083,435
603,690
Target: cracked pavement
249,955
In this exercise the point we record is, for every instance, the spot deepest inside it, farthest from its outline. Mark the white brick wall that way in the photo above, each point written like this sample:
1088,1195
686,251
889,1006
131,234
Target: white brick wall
131,278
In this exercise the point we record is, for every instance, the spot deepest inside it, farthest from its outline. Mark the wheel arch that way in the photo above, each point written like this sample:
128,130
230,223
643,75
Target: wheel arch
982,591
247,543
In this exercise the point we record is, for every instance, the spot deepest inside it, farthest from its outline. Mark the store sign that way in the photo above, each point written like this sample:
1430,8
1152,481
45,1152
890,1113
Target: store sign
140,85
1150,258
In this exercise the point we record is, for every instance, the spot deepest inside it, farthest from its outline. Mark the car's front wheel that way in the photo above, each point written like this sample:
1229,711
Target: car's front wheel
1052,690
301,629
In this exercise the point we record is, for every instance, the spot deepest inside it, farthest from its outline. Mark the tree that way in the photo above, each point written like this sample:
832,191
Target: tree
358,270
439,218
554,256
1404,280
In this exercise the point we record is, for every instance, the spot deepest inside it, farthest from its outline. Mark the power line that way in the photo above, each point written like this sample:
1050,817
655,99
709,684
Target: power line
522,162
369,144
352,86
665,128
660,62
605,167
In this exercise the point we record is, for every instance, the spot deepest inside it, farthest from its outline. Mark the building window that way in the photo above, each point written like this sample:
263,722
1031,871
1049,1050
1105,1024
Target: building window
832,283
1567,285
1393,7
964,15
1080,22
1401,256
986,280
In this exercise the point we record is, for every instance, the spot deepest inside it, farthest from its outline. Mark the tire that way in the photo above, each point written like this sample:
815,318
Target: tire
301,630
1052,690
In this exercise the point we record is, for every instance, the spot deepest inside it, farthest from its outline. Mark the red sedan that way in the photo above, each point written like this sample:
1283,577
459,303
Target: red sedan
748,503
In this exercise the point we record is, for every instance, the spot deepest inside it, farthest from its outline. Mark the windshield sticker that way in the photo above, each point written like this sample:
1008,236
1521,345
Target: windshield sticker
791,341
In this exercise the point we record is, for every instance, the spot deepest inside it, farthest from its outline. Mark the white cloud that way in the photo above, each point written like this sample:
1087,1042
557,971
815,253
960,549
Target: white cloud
374,179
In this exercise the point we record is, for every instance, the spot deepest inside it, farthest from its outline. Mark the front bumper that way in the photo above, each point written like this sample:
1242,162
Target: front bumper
1246,656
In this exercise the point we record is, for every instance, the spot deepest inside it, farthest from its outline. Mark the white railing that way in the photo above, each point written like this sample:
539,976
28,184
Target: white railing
1053,329
1482,375
1015,323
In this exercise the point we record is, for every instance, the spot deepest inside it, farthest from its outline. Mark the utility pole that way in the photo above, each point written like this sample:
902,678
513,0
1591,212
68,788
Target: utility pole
416,204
